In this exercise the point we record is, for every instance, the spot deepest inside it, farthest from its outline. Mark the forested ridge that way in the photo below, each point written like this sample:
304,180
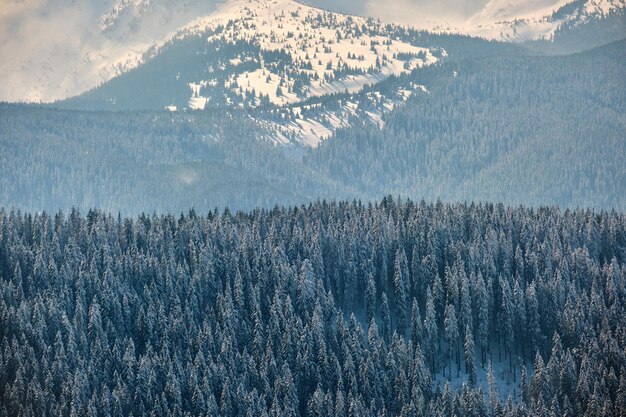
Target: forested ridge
131,162
331,309
512,129
518,130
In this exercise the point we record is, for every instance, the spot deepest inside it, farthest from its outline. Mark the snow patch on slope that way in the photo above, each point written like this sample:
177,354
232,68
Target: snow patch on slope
310,124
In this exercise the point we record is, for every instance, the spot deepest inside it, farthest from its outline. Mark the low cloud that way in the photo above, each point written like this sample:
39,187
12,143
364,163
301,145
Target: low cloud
51,49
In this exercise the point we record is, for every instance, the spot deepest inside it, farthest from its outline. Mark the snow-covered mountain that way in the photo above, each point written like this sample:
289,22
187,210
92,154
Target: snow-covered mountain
538,19
53,49
315,52
507,20
278,59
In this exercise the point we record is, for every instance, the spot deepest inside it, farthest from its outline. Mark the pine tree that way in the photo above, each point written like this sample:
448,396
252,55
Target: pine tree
451,331
494,398
416,325
370,298
534,329
466,318
385,318
483,318
506,320
538,383
316,406
400,290
431,332
470,366
620,398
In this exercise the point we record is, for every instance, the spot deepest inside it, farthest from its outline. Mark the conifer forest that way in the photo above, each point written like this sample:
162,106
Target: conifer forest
313,208
331,309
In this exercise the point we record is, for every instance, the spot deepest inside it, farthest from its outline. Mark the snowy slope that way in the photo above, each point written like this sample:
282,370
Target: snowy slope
309,124
503,20
541,23
334,52
323,54
59,48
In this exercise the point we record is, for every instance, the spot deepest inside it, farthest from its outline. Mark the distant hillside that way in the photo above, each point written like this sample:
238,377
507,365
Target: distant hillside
133,162
518,130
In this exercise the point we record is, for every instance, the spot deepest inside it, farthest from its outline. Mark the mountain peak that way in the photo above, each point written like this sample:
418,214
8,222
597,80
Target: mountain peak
319,52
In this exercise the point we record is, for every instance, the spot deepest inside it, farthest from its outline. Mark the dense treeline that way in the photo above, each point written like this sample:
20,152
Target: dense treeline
518,130
331,309
143,161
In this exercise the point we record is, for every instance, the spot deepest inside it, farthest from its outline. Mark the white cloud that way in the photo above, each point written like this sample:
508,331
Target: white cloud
51,49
